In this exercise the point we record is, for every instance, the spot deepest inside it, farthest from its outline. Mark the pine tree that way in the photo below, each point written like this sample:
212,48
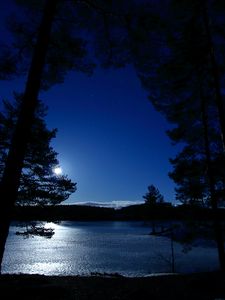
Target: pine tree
153,196
189,175
152,199
184,84
38,183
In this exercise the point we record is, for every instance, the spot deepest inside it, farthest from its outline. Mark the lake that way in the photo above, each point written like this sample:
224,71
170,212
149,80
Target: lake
85,248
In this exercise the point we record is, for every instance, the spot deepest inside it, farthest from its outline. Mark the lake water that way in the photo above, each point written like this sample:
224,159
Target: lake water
83,248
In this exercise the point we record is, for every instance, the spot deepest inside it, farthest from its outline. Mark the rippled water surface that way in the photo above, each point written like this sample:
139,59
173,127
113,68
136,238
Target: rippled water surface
112,247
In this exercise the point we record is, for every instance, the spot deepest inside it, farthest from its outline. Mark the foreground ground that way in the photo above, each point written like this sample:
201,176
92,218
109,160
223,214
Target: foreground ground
195,286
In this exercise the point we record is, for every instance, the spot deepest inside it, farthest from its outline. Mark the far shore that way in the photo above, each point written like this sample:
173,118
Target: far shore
205,286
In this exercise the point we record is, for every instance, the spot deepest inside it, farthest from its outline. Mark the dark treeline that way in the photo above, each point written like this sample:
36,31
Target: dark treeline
129,213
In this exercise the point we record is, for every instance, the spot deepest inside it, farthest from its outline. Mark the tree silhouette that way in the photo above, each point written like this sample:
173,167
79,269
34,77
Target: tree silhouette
14,163
153,196
39,185
184,83
152,199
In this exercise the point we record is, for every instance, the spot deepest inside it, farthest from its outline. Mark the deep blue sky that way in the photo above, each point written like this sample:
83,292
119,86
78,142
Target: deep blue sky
110,139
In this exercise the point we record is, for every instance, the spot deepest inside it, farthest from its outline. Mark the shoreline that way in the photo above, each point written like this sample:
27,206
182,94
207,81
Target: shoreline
207,285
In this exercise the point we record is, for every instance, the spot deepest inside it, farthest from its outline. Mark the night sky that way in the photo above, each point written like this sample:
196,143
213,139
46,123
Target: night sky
110,139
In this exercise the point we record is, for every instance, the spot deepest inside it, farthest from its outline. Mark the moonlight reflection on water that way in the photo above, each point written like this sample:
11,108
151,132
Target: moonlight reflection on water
82,248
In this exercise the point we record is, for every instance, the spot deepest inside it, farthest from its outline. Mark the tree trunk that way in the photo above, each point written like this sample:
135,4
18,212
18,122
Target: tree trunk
216,222
13,168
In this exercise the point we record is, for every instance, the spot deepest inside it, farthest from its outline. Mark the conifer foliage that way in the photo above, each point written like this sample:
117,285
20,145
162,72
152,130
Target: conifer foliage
39,185
153,196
